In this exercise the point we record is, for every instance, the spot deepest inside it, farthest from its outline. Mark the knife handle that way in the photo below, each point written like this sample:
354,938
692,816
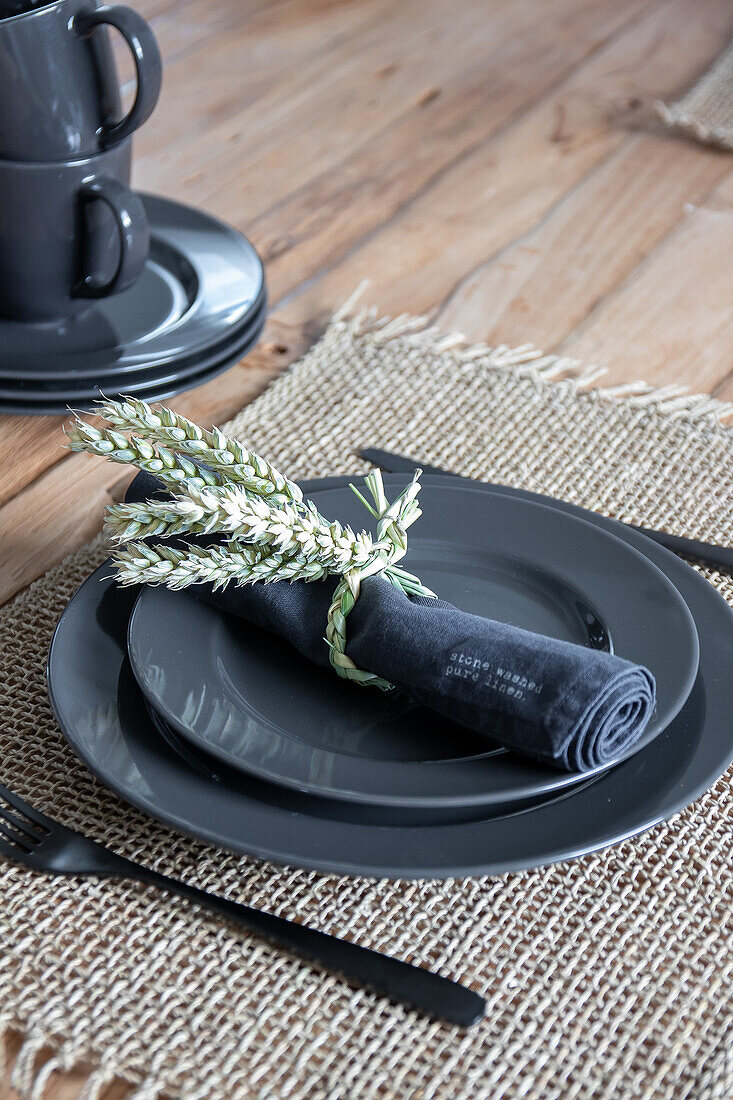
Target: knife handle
438,997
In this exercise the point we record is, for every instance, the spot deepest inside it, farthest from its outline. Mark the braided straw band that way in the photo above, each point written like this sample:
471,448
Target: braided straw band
392,523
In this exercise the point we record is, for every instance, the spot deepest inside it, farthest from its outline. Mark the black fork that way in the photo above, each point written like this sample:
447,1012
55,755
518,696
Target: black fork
31,838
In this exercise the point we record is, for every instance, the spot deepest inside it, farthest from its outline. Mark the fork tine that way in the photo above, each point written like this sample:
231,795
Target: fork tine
32,832
23,808
16,843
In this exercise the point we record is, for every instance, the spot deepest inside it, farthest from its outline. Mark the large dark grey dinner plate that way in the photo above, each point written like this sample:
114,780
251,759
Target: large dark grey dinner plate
142,381
106,723
202,281
248,699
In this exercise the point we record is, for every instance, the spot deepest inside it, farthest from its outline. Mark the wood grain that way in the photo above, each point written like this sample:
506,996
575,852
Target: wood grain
495,165
673,307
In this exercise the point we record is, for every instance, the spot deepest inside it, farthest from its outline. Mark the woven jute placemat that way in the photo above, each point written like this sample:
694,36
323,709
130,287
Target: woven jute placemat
611,976
706,112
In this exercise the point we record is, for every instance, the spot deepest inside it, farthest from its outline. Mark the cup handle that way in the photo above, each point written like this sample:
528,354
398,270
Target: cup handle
146,56
133,234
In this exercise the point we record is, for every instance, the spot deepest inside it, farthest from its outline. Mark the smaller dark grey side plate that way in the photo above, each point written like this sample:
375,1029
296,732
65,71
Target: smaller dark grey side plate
252,702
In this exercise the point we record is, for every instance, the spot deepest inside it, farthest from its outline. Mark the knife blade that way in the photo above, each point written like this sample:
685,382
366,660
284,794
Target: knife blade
719,557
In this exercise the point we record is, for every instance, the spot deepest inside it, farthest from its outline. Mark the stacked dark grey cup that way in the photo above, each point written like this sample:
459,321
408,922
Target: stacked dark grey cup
101,289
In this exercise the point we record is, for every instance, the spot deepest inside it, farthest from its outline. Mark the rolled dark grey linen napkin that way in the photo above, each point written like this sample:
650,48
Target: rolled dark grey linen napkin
560,703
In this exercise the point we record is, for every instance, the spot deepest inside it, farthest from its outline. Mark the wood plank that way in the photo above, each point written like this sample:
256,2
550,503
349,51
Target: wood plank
432,103
546,282
183,28
670,318
500,191
308,86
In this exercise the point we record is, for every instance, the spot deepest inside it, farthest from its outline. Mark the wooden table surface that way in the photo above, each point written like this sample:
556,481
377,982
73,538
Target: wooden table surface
494,164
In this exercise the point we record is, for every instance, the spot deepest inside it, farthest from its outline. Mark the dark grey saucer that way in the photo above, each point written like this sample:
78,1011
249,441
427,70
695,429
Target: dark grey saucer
249,700
201,284
143,381
119,743
159,392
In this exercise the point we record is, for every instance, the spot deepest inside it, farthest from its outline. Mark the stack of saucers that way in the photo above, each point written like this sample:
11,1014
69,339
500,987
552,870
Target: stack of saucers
102,290
198,307
224,732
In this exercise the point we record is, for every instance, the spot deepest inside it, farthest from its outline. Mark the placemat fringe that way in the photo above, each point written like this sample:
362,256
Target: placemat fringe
674,116
24,1072
149,1090
98,1080
705,112
416,329
30,1078
5,1026
63,1060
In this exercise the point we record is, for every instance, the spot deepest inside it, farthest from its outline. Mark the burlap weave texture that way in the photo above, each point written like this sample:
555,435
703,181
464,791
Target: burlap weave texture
611,976
706,111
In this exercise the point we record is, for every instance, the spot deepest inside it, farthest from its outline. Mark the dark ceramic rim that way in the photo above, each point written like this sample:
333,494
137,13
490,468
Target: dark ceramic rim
33,11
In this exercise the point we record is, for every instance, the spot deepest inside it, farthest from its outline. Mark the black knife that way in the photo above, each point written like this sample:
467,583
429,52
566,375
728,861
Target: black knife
719,557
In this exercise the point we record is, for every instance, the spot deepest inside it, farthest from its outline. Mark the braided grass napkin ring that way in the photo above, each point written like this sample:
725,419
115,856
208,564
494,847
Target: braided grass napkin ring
270,532
392,523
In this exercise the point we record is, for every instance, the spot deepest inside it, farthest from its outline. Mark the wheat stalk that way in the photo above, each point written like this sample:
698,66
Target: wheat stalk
288,529
218,486
228,457
170,468
235,563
